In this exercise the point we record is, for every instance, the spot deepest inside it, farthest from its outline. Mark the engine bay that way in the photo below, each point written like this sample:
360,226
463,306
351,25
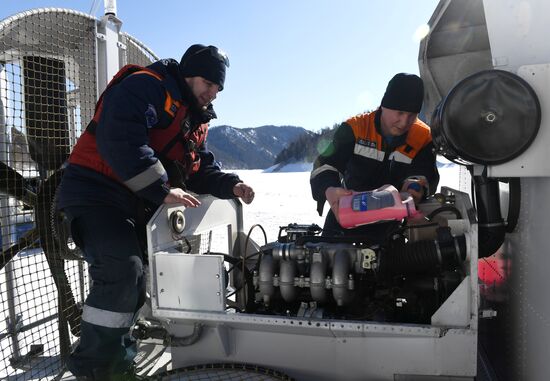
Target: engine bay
309,275
403,277
343,299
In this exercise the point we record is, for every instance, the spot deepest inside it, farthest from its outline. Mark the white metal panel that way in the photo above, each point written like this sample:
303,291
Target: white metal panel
189,282
338,356
518,32
454,312
212,213
456,47
164,248
528,251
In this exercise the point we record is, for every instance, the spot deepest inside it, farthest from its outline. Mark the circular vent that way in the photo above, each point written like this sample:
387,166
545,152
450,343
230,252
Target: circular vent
488,118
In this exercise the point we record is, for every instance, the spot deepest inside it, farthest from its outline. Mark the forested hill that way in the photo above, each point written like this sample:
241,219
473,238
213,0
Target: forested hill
251,148
306,147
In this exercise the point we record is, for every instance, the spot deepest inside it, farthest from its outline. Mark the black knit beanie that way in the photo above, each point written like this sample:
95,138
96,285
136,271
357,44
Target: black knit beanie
405,92
204,61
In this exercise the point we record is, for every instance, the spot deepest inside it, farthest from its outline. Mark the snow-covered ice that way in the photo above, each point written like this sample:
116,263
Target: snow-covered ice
291,167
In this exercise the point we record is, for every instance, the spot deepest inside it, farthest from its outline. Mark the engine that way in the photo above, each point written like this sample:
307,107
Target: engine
308,275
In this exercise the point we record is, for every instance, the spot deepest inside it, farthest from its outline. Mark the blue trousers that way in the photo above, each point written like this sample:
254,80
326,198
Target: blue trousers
112,245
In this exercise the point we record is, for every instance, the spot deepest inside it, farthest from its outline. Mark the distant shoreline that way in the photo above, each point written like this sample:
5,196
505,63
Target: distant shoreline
307,167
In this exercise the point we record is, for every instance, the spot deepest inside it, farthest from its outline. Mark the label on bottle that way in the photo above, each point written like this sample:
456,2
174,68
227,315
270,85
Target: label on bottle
371,201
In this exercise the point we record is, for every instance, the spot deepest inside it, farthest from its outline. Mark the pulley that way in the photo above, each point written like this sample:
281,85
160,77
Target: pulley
488,118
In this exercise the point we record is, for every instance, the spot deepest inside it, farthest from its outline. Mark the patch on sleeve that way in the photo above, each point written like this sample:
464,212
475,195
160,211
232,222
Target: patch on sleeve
151,116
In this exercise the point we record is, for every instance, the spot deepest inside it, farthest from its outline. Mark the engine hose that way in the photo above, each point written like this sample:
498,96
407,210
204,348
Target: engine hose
424,257
144,329
490,223
514,204
249,296
176,341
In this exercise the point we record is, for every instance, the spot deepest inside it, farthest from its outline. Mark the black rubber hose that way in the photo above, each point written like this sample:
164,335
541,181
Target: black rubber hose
514,204
423,257
491,227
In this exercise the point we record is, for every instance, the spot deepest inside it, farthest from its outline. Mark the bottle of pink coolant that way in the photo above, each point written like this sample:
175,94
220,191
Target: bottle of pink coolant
382,204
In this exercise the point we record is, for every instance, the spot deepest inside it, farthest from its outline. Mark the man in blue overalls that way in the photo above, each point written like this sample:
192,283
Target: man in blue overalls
144,147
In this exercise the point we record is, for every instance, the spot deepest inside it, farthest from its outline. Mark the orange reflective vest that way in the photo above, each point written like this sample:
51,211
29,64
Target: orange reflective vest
176,143
368,142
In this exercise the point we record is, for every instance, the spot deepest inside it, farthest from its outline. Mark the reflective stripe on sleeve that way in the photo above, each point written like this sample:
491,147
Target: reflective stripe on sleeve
146,178
399,157
106,318
322,168
370,152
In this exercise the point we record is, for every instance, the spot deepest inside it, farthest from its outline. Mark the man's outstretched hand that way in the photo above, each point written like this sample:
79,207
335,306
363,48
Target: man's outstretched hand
244,192
179,196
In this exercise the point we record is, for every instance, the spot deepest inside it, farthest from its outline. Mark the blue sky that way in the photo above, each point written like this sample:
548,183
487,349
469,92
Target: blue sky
308,63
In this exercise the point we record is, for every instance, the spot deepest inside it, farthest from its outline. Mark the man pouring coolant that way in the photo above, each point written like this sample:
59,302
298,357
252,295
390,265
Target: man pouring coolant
144,147
387,146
